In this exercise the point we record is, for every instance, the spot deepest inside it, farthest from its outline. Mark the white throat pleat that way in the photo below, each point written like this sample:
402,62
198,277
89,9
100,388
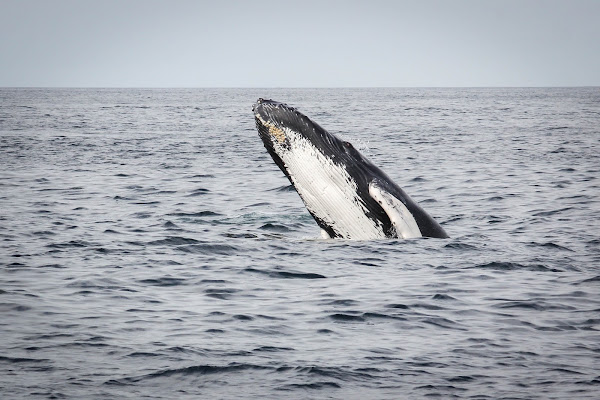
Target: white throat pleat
326,188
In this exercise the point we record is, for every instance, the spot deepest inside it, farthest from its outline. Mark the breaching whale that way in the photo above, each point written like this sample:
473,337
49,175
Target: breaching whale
346,194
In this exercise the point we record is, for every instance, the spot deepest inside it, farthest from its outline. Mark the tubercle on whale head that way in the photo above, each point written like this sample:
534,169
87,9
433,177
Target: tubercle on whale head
274,131
273,120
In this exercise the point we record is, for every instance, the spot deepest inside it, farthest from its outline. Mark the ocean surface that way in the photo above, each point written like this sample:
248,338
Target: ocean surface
150,248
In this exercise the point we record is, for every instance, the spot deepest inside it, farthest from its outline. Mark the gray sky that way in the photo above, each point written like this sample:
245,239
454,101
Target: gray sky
302,43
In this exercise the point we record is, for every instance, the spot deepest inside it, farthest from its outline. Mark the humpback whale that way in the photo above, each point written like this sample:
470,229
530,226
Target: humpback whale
346,194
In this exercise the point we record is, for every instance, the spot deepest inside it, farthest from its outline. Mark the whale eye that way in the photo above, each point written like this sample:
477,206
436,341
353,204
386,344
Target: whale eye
348,145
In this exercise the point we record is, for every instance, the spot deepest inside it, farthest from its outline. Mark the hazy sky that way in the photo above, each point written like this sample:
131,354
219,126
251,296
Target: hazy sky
277,43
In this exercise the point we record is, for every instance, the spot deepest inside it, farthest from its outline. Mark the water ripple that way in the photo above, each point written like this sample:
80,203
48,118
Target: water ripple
150,248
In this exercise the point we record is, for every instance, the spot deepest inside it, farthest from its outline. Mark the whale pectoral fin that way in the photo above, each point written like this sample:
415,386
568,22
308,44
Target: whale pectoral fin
403,221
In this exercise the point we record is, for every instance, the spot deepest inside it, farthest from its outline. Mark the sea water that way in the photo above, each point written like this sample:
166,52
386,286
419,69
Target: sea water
150,248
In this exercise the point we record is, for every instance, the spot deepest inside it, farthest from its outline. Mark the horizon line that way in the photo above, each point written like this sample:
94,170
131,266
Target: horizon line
304,87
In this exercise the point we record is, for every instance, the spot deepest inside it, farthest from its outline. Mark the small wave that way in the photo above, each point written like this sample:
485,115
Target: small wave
271,349
443,297
459,246
510,266
443,323
341,317
343,302
285,188
101,284
428,306
205,281
259,204
142,354
242,317
219,249
593,243
325,331
158,192
548,245
552,212
191,370
441,388
14,307
314,385
23,360
461,379
370,262
240,235
559,150
373,315
274,227
286,274
591,280
221,293
531,305
196,214
493,219
72,243
342,374
566,371
17,265
453,218
198,192
164,281
141,215
171,226
44,233
398,306
173,241
201,176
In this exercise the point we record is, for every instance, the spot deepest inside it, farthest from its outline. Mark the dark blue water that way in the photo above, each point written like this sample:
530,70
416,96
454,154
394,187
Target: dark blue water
150,248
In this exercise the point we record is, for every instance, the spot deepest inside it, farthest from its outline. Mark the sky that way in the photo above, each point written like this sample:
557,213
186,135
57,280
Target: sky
302,43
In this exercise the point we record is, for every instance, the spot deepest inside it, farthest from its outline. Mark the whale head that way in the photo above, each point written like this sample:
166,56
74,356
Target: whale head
284,130
347,195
